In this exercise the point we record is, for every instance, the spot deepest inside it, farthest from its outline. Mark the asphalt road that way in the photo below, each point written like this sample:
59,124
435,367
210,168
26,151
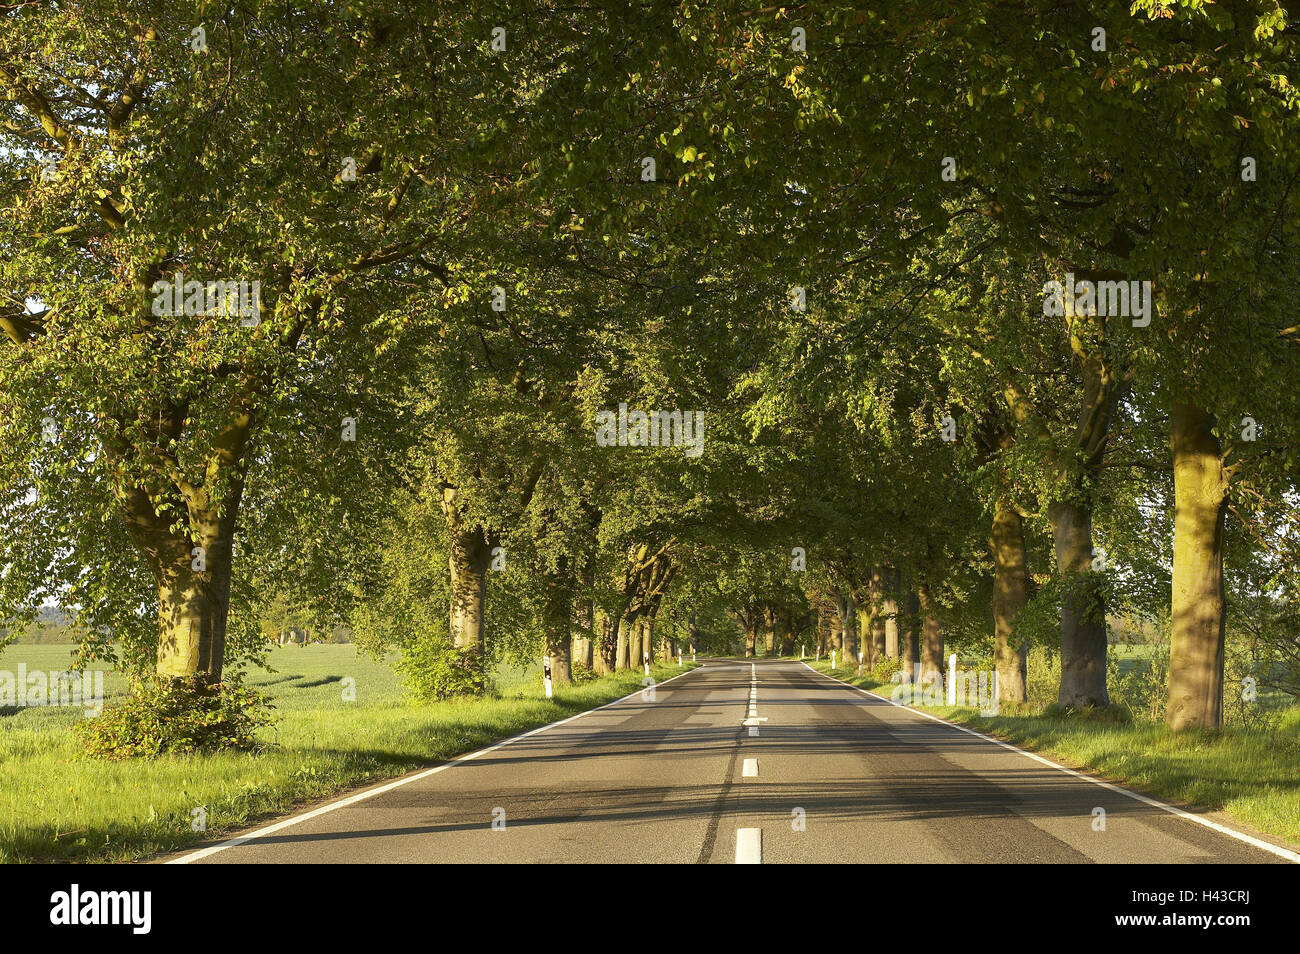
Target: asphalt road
835,776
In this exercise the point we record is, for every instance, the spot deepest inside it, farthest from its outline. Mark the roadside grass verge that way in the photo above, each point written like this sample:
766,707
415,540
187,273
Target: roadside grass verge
1250,775
56,804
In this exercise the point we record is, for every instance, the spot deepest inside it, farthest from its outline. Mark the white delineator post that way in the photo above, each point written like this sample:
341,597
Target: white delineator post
645,657
952,679
832,659
802,652
546,677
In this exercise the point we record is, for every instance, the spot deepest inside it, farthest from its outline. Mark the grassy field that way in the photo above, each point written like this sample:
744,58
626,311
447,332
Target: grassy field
56,804
1252,775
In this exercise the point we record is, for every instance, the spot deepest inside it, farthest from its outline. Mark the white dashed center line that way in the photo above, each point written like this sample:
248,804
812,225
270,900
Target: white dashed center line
749,846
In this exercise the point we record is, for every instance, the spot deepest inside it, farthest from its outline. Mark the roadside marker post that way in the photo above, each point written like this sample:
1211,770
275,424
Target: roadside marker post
832,659
645,657
546,677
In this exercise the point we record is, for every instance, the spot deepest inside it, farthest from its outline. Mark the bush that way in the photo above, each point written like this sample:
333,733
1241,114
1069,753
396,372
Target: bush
433,669
884,669
1043,676
583,673
177,716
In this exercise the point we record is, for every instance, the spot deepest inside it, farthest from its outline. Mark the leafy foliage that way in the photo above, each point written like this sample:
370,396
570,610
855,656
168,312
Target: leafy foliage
178,716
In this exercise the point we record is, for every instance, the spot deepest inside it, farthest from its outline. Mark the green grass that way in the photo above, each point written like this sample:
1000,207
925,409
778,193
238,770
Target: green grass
1251,775
56,804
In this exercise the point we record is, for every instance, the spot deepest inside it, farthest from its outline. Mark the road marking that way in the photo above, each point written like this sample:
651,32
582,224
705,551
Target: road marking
749,846
1286,853
398,783
750,769
752,719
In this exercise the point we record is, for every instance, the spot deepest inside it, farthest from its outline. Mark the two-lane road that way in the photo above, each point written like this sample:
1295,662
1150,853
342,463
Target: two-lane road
831,775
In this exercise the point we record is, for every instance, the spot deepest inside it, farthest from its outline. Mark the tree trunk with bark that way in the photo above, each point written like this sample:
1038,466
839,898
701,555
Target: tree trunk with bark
931,633
557,622
848,613
1200,504
911,634
1083,609
786,634
1010,594
191,565
623,642
889,613
876,599
605,646
469,554
194,600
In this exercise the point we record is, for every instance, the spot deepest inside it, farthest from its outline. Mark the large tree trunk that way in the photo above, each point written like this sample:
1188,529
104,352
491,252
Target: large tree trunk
879,642
751,635
621,634
864,633
931,633
194,601
647,640
469,555
191,567
889,612
605,648
1083,609
786,633
585,617
849,624
769,631
557,622
694,633
1200,501
1010,594
911,635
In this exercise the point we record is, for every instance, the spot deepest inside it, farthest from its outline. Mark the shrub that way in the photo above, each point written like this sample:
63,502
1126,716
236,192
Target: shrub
583,673
165,715
433,669
884,668
1043,676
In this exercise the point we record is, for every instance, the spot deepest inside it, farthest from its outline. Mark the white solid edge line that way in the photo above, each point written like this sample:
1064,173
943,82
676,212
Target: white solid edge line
1286,853
749,846
397,783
